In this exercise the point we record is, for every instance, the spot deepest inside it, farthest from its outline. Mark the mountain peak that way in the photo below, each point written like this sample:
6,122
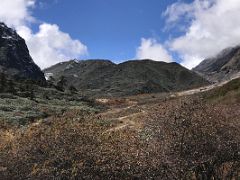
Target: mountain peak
103,77
8,33
225,65
15,59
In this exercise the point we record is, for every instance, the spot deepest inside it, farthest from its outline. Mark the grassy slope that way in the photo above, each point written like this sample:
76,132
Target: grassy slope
135,138
102,78
22,108
228,93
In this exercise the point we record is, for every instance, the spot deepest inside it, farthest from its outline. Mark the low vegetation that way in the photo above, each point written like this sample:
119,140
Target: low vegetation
139,137
24,101
228,93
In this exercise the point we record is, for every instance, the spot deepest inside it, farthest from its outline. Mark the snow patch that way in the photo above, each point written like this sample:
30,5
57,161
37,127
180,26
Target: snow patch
7,37
76,61
69,66
48,75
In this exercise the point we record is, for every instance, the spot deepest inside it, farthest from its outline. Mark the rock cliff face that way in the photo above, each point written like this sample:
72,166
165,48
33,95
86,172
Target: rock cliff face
132,77
15,59
224,66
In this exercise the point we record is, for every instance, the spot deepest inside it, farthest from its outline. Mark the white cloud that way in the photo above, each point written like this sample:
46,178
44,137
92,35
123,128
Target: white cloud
214,25
16,12
151,49
49,45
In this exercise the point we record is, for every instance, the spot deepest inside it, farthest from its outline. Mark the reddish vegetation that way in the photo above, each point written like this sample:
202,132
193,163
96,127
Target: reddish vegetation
182,138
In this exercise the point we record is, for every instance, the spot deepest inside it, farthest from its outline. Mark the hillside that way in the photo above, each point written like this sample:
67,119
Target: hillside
150,136
228,93
15,59
223,66
104,78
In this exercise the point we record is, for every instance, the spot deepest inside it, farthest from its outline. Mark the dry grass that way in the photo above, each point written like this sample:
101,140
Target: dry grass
181,138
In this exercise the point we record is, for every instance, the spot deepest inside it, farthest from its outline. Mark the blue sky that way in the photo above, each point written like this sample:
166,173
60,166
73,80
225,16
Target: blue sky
185,31
111,29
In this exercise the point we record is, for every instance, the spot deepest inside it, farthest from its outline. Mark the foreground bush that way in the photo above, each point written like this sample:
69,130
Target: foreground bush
200,141
178,139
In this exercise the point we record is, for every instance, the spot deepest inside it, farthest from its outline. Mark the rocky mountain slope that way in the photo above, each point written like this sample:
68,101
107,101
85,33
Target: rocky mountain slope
15,59
102,77
224,66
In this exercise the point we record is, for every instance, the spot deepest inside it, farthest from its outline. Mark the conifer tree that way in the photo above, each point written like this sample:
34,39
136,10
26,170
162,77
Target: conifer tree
61,84
2,82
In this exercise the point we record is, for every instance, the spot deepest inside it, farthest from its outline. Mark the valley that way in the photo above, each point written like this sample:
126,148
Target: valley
137,136
95,119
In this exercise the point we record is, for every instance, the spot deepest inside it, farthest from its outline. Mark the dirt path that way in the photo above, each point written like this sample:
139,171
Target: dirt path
202,89
128,121
129,116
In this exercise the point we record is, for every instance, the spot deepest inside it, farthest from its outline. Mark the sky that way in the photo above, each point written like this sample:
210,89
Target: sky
185,31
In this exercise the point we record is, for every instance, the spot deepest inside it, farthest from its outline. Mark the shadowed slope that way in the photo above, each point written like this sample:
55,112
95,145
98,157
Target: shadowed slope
102,77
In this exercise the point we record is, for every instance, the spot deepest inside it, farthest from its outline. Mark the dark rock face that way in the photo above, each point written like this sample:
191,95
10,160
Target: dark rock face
102,77
15,59
225,66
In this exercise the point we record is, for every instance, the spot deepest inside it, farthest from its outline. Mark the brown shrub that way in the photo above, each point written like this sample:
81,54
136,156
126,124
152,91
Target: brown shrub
181,139
201,141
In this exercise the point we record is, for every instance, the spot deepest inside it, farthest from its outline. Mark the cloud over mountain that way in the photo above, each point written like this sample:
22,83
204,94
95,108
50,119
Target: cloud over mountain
151,49
209,27
47,46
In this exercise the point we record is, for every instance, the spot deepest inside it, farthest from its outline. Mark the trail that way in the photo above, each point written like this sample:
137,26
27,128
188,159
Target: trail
130,116
204,88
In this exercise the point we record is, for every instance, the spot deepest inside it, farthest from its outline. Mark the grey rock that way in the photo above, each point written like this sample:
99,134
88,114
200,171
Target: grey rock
15,59
224,66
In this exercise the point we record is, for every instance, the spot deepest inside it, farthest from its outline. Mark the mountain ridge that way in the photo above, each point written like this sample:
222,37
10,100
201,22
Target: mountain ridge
224,66
127,78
